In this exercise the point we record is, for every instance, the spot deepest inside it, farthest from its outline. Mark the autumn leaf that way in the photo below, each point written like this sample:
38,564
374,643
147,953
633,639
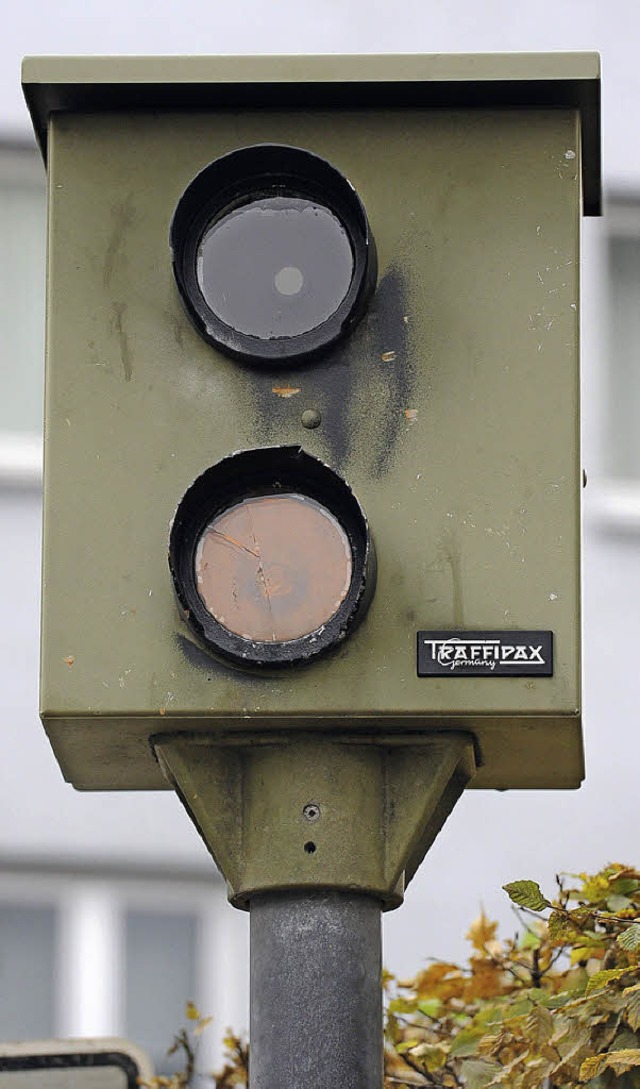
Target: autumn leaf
632,1006
481,931
432,1056
618,1061
477,1073
539,1027
600,979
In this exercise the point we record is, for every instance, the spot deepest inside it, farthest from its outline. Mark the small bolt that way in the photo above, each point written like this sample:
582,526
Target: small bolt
311,418
311,812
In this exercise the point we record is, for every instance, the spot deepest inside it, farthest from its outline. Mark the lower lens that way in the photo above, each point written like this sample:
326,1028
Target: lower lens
271,558
273,568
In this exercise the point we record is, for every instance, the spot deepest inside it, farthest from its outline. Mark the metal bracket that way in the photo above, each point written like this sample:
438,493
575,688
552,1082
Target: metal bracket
292,812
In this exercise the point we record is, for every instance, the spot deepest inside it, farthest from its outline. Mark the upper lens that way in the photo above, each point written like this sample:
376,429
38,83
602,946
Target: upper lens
277,266
272,254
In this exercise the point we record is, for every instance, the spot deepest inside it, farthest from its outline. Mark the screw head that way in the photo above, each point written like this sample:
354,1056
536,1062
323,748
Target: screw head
311,812
311,418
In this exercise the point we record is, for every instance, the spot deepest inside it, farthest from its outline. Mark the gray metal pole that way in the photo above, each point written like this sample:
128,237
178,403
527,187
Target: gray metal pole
316,996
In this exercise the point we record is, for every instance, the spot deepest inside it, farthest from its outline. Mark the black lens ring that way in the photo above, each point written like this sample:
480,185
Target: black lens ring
268,471
238,177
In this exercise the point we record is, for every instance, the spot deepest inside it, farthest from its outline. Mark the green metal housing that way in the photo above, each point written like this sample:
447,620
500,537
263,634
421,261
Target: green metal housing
452,411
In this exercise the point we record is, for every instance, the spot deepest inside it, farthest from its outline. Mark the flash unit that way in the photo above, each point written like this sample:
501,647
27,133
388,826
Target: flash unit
277,571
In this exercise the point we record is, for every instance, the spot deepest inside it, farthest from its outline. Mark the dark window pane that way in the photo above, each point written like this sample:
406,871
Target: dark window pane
160,980
27,952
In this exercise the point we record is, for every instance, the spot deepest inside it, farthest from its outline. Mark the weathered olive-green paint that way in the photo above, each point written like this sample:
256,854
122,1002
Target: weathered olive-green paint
468,80
376,808
452,412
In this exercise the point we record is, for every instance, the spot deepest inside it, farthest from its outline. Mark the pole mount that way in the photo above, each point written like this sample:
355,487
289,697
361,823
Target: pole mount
290,812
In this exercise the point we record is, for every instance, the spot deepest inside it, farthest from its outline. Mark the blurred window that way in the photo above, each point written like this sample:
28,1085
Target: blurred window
160,976
623,382
83,953
28,937
22,291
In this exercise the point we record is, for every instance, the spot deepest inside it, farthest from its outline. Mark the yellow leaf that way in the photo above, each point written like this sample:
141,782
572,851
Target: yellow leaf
201,1026
600,979
487,980
432,1056
192,1012
579,954
406,1045
481,931
619,1061
440,980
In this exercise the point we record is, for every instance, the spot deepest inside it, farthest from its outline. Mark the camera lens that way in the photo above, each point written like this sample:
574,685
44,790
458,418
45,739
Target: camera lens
277,266
272,254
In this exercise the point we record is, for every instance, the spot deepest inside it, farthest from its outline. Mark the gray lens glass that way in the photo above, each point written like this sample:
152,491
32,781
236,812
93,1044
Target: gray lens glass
277,266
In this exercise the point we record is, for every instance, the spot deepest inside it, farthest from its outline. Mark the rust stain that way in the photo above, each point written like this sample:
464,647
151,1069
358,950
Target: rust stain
70,659
162,710
285,391
410,414
388,357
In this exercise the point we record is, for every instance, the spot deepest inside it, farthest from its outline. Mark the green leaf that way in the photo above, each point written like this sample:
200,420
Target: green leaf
530,940
625,885
466,1042
556,1002
618,902
402,1005
430,1007
630,938
526,894
477,1074
406,1045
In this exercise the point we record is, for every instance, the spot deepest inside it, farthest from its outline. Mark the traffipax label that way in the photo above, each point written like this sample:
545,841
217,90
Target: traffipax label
485,653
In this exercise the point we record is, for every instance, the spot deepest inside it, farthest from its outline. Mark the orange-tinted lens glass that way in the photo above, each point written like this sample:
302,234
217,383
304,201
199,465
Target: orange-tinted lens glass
274,568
